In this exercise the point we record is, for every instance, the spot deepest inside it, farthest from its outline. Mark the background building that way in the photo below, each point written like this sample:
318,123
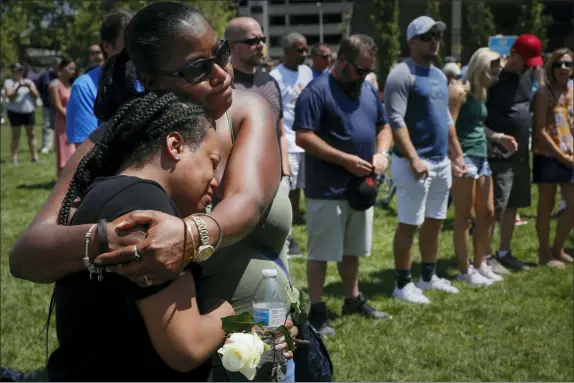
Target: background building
279,17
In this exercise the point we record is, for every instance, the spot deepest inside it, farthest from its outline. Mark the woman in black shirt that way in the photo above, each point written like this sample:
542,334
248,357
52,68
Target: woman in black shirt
163,154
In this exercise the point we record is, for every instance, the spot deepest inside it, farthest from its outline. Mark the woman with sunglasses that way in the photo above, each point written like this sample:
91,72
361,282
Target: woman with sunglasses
553,161
172,47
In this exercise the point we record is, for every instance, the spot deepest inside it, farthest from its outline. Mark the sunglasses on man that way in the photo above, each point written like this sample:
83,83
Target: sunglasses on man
198,70
252,41
430,36
361,71
562,65
303,50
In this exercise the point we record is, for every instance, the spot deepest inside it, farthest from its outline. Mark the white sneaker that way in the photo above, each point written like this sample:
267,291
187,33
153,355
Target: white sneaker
410,293
474,278
486,271
437,283
44,150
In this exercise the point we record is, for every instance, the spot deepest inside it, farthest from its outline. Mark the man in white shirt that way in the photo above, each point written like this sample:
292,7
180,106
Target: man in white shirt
293,76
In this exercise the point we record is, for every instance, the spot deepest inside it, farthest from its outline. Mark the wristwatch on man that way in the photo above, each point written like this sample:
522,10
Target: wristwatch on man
385,153
205,249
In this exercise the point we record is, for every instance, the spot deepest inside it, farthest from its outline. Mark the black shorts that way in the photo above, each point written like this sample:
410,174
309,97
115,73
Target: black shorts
511,182
548,170
19,119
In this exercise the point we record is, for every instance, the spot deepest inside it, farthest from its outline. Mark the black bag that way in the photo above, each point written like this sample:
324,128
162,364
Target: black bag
312,361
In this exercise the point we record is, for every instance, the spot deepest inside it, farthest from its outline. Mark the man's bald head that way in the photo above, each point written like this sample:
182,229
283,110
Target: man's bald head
240,27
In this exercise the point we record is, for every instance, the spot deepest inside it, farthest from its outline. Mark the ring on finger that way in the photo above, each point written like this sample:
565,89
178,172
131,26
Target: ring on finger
137,255
148,282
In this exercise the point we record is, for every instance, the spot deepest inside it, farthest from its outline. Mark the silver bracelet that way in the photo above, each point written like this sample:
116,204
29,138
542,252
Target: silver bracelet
220,235
92,268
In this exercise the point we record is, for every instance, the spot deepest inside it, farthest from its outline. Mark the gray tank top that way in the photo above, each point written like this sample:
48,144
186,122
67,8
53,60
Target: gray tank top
240,264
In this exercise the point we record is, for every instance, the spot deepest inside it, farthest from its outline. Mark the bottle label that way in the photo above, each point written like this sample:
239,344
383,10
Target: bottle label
272,318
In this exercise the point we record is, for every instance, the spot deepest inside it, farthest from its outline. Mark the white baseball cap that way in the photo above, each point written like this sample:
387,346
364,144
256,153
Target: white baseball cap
422,25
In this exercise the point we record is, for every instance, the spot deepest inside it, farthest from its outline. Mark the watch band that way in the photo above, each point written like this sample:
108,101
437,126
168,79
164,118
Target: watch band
385,153
202,228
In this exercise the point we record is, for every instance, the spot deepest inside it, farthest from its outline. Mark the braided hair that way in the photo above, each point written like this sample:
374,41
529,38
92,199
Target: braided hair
134,133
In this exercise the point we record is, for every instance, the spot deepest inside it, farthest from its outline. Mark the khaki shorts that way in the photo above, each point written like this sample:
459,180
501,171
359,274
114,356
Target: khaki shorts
335,229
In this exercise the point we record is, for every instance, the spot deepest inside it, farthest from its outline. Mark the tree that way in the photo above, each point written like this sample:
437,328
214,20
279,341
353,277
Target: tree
386,19
533,20
479,25
71,26
433,10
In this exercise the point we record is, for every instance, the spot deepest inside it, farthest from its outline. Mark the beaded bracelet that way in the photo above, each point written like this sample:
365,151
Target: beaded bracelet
92,268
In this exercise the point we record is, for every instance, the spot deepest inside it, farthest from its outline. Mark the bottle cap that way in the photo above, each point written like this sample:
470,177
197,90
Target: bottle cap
269,273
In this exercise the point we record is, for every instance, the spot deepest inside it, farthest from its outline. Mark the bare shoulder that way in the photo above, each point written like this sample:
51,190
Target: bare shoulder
247,106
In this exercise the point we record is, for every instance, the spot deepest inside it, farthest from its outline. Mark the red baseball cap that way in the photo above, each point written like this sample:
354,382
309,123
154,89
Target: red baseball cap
529,48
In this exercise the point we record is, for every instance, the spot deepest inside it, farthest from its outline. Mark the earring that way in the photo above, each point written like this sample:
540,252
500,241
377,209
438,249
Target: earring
177,157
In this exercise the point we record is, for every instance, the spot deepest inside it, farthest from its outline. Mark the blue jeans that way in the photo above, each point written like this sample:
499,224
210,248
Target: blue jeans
290,376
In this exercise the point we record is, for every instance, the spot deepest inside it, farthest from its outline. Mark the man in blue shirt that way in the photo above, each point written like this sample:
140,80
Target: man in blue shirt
321,56
339,122
80,118
416,101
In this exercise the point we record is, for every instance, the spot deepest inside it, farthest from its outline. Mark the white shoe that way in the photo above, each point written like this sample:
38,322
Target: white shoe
437,283
410,293
486,271
475,278
44,150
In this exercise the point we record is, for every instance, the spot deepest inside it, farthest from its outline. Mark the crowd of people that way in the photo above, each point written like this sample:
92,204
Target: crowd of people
181,163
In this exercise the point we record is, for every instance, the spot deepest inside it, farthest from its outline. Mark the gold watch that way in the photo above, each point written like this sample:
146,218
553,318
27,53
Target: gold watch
205,249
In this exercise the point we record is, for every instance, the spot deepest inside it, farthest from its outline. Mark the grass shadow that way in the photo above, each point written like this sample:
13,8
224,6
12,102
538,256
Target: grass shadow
383,281
42,186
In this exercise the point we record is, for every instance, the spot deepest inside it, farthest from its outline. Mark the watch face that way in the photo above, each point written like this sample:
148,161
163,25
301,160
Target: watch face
204,253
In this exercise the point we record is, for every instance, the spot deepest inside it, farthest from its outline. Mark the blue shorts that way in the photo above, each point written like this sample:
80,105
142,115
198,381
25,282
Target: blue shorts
476,167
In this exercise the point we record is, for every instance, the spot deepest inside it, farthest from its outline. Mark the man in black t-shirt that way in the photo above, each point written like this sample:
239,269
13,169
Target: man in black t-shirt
247,41
508,107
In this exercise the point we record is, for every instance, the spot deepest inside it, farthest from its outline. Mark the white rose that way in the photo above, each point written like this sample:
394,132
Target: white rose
242,352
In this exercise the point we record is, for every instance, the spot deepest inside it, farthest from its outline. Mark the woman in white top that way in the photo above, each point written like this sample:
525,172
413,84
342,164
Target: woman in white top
22,95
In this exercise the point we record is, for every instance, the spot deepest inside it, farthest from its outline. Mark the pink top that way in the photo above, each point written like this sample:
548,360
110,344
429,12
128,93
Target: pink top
64,93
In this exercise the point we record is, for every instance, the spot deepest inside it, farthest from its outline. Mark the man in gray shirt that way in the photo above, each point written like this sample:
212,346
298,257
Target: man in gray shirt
416,102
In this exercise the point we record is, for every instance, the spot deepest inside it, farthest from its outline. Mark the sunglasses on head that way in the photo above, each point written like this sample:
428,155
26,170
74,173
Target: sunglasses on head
252,41
562,64
429,36
199,70
362,71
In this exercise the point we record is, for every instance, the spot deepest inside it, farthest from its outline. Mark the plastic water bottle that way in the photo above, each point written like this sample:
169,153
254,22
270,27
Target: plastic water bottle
270,306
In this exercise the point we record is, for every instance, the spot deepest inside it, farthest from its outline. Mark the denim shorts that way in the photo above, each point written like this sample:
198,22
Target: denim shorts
476,167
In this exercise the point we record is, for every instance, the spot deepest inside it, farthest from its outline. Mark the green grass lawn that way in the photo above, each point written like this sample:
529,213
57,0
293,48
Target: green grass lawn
519,330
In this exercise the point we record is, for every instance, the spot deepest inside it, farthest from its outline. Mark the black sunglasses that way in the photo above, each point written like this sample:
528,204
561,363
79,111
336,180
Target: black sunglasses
302,50
362,71
562,64
429,36
252,41
198,70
